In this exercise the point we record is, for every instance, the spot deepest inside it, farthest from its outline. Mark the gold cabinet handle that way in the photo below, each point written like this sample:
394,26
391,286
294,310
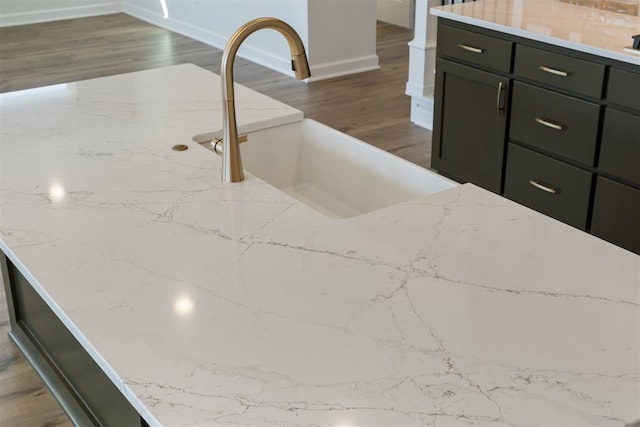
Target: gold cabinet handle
547,123
499,99
470,48
543,187
554,71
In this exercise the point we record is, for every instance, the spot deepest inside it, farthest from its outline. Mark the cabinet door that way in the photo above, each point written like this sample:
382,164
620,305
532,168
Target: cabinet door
616,214
470,120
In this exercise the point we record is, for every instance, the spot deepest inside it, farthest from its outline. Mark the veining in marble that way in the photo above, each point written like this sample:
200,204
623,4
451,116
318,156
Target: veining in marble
215,304
599,32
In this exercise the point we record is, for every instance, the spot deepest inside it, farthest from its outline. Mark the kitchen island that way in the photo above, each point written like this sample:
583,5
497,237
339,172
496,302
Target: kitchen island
210,304
550,96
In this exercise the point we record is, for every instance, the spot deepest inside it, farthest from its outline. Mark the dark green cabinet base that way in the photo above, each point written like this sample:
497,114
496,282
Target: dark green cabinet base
84,391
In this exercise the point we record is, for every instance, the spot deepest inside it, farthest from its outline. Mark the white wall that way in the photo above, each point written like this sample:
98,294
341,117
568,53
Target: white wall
396,12
339,35
19,12
214,21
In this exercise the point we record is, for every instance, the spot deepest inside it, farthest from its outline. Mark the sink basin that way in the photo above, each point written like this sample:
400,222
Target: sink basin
334,173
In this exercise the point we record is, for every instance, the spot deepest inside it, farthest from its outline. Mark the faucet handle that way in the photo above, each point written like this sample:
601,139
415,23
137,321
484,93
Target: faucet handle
217,143
203,138
300,66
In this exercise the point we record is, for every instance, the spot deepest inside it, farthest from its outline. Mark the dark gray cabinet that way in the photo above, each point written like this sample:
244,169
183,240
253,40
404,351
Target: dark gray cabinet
551,128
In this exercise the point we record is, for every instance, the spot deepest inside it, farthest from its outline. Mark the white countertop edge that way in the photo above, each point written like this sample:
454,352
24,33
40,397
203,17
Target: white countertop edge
606,53
106,368
255,126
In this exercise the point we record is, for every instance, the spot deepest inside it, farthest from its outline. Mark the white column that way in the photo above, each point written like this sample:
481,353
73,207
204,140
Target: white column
422,61
342,37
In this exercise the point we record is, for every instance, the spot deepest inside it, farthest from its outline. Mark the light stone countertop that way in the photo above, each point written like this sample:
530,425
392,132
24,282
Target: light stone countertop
586,29
213,304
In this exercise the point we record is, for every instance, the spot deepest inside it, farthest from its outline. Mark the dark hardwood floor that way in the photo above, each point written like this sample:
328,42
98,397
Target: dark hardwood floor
371,106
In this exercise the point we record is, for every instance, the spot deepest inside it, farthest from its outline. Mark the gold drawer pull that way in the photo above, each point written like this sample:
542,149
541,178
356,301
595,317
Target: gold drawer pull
470,48
499,106
554,71
543,187
547,123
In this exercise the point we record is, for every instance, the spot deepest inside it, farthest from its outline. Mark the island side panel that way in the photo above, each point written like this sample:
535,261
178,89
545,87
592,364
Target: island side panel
83,390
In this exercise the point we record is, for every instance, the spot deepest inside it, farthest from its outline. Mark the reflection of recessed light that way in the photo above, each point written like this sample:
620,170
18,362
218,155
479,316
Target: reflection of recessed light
56,193
183,305
41,92
165,11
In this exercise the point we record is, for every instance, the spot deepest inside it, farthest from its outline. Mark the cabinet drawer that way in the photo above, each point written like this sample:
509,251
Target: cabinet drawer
624,88
474,48
556,123
547,185
620,147
561,71
616,214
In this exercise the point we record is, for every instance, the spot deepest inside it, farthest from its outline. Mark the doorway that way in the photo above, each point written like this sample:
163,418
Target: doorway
396,12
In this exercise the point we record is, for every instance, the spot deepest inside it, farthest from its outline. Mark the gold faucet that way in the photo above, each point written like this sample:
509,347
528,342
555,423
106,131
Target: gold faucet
231,161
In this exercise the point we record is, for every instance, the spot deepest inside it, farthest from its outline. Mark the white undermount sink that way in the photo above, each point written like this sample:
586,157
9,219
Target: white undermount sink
334,173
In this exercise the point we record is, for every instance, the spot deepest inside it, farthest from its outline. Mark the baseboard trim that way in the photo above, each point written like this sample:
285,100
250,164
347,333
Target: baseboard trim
415,90
14,19
422,111
419,44
331,70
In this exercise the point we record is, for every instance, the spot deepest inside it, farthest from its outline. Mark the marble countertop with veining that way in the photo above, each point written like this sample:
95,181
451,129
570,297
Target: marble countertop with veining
575,26
212,304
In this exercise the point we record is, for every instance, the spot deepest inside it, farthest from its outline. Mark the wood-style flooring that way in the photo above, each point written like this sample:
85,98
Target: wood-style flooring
371,106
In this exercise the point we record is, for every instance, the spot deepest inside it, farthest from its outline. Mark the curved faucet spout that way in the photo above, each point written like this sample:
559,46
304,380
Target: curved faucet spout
231,161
